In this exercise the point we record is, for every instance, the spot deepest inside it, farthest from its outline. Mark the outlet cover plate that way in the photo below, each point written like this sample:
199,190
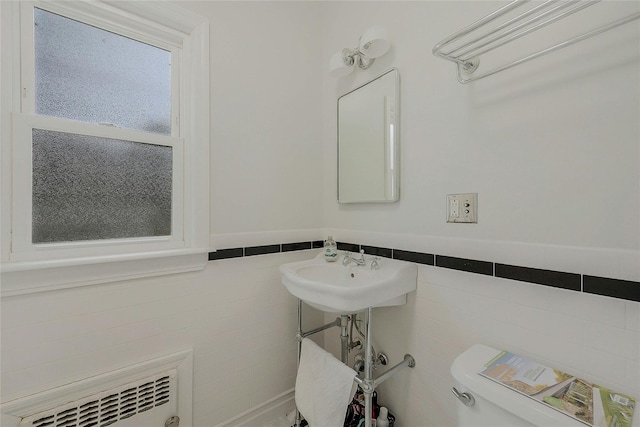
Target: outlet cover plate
462,208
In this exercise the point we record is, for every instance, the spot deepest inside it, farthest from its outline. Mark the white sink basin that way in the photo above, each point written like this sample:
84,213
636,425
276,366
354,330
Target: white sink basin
332,287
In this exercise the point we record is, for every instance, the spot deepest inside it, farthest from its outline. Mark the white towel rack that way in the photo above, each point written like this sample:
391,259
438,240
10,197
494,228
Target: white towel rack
467,45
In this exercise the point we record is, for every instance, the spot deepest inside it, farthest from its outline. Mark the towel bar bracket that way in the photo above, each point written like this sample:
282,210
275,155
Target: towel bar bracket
489,33
469,66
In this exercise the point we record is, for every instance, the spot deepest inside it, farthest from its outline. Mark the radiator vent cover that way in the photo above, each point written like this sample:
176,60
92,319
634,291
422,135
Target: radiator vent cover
120,406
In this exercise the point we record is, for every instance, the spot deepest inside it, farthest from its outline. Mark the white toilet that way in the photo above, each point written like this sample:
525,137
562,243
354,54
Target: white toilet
494,404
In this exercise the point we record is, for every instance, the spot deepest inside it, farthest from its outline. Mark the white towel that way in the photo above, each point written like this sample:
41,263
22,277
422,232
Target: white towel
324,387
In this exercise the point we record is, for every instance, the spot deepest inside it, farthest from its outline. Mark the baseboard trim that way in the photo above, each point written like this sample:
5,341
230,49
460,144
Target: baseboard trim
263,413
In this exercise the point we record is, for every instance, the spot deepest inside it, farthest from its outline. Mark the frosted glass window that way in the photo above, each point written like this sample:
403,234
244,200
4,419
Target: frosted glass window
91,188
92,75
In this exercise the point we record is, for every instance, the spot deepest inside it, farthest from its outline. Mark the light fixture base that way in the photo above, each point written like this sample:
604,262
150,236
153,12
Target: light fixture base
365,62
372,44
348,56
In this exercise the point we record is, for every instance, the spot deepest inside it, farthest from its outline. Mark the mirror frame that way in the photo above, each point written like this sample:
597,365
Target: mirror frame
393,155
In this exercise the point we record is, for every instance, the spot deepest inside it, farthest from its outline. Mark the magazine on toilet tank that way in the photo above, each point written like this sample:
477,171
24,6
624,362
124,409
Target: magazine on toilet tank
587,402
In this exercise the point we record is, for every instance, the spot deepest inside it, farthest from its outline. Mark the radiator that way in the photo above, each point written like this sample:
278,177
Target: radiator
145,395
148,402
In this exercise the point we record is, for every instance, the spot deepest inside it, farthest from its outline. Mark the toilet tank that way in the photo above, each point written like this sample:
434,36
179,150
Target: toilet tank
496,405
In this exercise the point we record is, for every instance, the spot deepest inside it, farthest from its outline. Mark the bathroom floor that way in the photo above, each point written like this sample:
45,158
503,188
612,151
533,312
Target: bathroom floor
279,422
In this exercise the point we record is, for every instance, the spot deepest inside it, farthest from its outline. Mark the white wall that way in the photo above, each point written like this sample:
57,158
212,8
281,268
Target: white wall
266,175
266,101
593,337
236,315
569,134
550,147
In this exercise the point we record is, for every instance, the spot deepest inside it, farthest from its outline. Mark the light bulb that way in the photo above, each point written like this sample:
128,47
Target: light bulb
375,42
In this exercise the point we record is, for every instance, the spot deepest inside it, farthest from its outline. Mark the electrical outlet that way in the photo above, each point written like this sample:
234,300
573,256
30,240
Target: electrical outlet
454,208
462,208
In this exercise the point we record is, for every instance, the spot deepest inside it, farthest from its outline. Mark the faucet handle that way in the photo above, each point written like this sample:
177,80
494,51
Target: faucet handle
374,263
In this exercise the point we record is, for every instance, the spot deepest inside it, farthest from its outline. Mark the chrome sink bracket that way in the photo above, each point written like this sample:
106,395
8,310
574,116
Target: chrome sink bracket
408,362
298,422
299,331
368,383
368,390
302,335
344,339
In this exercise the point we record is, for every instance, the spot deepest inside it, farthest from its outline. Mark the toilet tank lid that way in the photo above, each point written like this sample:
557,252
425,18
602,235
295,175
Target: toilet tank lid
465,369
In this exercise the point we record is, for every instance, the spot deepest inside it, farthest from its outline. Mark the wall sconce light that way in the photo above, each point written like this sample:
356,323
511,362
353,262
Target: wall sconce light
372,44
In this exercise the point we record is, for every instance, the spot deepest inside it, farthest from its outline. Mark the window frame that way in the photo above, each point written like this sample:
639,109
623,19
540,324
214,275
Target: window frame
159,24
24,250
99,20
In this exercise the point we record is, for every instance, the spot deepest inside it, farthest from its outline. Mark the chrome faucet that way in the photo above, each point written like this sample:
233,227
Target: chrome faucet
357,261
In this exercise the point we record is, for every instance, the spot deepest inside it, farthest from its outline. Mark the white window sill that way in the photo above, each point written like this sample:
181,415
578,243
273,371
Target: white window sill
38,276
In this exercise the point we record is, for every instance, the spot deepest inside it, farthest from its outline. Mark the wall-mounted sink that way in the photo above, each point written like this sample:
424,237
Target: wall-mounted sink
333,287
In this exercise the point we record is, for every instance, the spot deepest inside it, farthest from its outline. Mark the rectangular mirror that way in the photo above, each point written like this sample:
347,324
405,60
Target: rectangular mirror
368,141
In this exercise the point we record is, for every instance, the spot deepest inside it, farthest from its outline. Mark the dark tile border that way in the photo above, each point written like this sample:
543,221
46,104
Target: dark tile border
376,251
262,250
614,288
351,247
624,289
418,257
557,279
226,254
300,246
463,264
